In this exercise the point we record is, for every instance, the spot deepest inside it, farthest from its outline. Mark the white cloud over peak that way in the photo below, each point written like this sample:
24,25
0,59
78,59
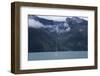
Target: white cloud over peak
35,24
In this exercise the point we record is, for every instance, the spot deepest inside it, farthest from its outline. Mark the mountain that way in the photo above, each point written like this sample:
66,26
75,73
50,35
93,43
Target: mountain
52,35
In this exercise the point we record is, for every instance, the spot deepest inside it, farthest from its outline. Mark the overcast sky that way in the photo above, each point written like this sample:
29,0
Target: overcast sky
61,18
57,18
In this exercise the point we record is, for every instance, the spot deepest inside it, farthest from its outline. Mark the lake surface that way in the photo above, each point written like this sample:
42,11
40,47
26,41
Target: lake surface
57,55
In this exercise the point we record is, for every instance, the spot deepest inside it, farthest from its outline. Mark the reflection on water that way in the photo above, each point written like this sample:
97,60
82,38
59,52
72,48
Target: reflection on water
57,55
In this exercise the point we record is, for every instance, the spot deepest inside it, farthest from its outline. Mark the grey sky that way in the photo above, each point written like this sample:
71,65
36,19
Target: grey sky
61,18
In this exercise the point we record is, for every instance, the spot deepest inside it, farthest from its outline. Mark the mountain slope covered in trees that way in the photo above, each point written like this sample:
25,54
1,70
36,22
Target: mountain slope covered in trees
45,35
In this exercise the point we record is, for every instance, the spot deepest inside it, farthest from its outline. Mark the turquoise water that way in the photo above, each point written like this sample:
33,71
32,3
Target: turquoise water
57,55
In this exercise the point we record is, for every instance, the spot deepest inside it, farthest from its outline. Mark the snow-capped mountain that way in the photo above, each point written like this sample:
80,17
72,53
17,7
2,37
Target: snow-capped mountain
70,33
55,26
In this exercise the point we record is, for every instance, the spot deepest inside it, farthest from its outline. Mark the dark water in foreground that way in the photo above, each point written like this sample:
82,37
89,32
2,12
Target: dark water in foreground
57,55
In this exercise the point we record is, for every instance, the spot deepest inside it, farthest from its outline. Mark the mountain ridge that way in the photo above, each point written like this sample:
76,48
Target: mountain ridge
68,35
